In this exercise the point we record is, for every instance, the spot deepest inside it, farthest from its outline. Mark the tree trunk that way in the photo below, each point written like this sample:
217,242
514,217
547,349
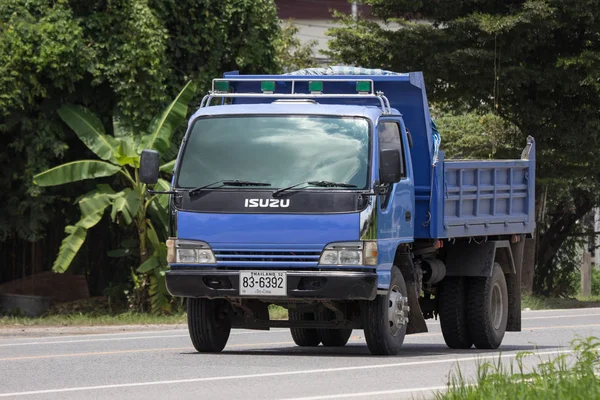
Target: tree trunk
586,274
140,291
528,266
530,251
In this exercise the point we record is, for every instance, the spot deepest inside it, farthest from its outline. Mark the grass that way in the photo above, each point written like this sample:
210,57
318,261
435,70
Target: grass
82,319
567,376
547,303
277,312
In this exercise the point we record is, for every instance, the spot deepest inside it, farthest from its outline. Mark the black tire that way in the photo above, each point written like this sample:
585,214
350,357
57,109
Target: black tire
452,308
335,337
209,324
332,337
488,309
304,337
383,336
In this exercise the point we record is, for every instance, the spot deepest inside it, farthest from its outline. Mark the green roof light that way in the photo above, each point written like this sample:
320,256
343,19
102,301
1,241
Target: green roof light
221,86
363,87
267,86
315,86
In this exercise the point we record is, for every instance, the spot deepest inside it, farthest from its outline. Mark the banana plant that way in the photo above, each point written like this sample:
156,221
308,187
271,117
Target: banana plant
126,198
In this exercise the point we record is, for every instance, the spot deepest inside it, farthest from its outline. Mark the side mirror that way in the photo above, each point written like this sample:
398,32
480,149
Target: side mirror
149,165
390,166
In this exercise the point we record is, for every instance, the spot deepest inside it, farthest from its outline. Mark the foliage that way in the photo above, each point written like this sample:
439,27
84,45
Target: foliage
292,55
477,136
596,282
558,303
209,37
94,319
126,196
534,63
562,276
561,377
118,58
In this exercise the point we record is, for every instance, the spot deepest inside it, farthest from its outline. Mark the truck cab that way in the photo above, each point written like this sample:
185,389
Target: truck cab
323,195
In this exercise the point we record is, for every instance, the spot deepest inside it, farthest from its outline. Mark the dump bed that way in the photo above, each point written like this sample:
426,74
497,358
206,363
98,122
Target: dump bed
483,198
452,198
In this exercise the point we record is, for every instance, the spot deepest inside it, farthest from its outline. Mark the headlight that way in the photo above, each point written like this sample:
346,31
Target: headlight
189,252
350,253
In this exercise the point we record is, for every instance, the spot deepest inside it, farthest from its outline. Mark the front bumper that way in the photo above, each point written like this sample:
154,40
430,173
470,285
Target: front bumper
322,285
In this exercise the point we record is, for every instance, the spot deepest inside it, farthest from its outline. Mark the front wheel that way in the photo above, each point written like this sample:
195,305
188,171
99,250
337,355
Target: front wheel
304,337
209,324
332,337
387,317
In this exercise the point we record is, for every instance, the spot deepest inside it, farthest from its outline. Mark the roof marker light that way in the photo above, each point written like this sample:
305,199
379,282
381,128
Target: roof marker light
363,87
315,86
267,86
221,86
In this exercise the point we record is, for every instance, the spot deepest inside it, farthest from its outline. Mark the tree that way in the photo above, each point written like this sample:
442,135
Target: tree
534,63
126,196
292,55
118,58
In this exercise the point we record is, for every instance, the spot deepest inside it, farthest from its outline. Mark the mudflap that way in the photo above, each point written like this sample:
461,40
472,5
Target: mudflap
416,321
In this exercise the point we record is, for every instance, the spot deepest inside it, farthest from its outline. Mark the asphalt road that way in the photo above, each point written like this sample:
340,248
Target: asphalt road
162,364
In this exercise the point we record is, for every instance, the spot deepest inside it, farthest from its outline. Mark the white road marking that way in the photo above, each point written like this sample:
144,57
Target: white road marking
272,374
544,317
363,394
561,316
562,310
120,338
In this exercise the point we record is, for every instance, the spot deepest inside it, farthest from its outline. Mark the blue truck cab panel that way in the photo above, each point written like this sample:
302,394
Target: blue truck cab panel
329,193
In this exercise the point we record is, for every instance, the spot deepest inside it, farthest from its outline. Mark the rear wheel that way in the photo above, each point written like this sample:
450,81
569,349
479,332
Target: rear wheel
304,336
209,324
332,337
387,317
452,308
488,309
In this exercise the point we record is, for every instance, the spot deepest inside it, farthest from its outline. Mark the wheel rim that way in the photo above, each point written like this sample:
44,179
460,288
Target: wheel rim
396,311
497,306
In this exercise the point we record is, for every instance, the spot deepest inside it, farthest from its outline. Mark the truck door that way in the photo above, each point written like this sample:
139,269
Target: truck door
396,207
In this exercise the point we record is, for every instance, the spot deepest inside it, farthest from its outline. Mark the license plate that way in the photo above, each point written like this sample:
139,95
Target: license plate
263,283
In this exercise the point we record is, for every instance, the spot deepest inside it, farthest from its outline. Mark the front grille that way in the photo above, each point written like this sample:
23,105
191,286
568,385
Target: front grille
268,256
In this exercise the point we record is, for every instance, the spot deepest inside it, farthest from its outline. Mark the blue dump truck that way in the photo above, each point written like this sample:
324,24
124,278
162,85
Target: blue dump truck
326,192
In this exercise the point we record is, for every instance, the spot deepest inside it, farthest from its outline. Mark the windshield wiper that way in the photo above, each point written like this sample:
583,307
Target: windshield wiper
235,182
315,183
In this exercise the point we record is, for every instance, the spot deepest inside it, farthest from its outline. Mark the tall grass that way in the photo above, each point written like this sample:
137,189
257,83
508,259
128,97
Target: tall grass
567,376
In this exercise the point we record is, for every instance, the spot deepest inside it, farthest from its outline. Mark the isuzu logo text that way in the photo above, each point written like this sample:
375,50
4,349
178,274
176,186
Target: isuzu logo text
267,203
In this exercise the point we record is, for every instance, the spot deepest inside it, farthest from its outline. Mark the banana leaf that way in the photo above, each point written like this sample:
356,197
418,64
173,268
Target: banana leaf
163,126
90,130
127,204
163,199
150,264
95,203
75,171
73,241
168,167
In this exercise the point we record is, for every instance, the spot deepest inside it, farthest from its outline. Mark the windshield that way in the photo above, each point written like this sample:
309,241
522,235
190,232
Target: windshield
279,150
